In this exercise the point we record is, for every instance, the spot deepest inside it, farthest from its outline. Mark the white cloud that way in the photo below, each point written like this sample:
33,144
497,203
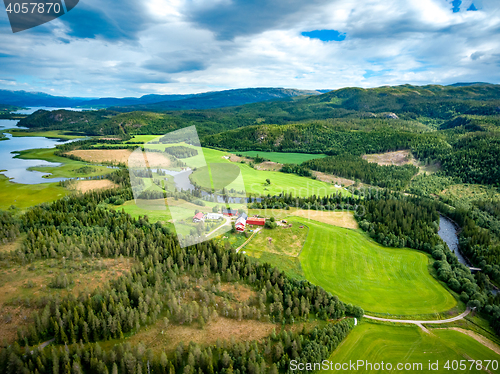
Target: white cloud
170,51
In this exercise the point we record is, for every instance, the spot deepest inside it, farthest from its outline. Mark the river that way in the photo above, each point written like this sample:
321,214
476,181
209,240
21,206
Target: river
448,232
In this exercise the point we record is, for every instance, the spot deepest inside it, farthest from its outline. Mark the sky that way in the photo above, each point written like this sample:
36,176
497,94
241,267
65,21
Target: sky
121,48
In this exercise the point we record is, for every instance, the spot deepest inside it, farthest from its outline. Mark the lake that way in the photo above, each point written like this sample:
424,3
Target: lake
16,168
34,109
10,124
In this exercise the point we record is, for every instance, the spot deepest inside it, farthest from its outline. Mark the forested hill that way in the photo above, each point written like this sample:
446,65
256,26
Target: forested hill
220,99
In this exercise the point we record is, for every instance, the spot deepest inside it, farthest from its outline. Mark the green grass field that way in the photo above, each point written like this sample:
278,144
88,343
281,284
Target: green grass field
283,158
288,264
26,195
284,241
380,280
255,180
409,345
55,134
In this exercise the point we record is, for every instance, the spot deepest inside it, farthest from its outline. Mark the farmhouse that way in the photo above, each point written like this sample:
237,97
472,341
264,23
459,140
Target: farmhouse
213,216
198,217
256,221
229,212
241,222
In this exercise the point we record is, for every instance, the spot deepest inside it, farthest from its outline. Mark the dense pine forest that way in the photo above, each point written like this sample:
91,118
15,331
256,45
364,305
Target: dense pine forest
182,286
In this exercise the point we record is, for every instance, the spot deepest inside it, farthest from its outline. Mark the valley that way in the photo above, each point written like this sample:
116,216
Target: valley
268,240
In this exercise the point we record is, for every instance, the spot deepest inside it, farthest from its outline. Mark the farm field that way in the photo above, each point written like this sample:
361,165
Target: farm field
284,240
154,214
381,280
255,180
90,185
401,344
68,168
283,158
341,219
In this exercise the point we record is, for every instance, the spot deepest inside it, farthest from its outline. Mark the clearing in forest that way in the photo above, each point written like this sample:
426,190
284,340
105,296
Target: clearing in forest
397,158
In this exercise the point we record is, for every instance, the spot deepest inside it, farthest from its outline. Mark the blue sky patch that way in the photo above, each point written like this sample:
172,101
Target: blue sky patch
325,35
371,73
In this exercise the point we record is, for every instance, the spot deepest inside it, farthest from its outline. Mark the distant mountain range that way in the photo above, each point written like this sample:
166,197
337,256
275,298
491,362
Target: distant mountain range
206,100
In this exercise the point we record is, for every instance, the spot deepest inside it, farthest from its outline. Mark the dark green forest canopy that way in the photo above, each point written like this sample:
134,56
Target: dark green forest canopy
409,102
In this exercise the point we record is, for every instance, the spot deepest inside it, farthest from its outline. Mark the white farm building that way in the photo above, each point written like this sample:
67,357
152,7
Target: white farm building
214,216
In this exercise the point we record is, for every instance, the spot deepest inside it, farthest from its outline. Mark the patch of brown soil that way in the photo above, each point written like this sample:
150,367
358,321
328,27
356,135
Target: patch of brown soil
234,158
103,155
11,318
397,158
269,166
240,292
223,329
341,219
329,178
12,246
90,185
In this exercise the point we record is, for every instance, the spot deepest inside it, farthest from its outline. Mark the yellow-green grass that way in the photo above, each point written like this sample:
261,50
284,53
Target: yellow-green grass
256,184
142,138
288,264
470,192
283,158
395,344
156,212
56,134
26,195
380,280
68,169
284,240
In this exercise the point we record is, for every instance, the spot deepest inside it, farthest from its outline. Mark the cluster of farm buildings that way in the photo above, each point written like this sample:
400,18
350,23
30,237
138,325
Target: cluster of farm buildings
242,220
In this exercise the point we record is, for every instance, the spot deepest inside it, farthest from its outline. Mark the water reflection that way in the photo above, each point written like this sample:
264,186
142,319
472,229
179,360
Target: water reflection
16,168
34,109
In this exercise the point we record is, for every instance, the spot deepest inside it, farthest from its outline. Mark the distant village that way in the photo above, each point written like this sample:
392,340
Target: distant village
242,219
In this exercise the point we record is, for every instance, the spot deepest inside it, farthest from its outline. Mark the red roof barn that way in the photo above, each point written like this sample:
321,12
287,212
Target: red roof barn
256,221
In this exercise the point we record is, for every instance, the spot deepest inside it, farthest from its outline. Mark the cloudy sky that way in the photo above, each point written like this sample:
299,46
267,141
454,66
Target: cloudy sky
134,47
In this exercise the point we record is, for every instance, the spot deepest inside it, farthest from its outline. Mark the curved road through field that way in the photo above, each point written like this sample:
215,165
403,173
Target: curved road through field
467,311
